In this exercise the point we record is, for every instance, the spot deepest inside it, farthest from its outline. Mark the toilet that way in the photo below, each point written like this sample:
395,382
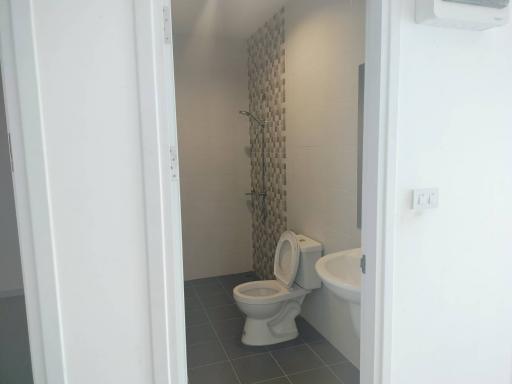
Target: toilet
271,306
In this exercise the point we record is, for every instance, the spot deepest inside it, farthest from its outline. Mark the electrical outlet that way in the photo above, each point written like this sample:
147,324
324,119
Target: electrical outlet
425,198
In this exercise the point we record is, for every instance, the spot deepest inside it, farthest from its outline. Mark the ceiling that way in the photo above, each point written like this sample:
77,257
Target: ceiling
226,18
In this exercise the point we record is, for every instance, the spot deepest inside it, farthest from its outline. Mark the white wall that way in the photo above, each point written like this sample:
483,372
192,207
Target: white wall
452,305
89,93
211,87
324,47
10,263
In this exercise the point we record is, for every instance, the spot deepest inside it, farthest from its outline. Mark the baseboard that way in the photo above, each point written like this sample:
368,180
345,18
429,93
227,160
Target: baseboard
11,293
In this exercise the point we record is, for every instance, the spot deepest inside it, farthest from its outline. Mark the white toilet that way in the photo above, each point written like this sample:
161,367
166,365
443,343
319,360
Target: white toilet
271,306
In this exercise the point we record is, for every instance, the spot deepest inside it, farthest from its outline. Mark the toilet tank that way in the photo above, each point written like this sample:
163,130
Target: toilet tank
310,252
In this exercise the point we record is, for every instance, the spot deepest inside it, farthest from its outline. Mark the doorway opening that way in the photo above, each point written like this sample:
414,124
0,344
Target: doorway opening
269,99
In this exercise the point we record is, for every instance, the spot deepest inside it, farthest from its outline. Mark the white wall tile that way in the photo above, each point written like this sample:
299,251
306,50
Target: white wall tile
324,48
211,87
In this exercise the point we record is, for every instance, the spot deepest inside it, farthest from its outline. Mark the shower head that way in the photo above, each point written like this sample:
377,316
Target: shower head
251,116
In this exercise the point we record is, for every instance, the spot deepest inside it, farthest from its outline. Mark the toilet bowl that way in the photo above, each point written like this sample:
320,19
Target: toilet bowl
271,306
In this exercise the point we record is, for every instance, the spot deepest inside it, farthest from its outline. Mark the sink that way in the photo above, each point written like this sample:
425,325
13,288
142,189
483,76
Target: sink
341,274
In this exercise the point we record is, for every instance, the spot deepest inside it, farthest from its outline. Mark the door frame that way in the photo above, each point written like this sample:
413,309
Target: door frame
32,194
162,193
159,134
25,122
379,185
379,181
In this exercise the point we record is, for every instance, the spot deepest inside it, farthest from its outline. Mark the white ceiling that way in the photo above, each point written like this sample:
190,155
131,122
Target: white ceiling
227,18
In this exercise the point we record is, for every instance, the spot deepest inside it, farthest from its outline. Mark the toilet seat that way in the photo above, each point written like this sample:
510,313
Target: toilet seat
266,292
287,258
286,264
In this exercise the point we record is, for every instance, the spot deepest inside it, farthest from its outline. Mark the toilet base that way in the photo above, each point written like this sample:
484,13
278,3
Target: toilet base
260,332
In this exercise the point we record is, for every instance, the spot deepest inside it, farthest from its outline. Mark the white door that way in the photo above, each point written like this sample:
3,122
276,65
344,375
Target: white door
90,100
381,87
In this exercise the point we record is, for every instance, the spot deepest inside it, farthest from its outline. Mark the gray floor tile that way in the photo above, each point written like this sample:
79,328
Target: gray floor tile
327,352
189,291
213,374
208,290
229,286
207,353
198,334
217,300
205,281
15,364
286,344
192,302
195,316
297,359
235,349
257,368
214,331
231,281
307,332
346,372
226,312
281,380
317,376
229,329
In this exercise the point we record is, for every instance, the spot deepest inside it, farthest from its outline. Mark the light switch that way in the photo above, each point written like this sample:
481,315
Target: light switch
425,198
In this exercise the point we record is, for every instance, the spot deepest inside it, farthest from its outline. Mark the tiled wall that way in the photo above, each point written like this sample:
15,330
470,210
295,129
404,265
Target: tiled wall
211,87
266,100
324,47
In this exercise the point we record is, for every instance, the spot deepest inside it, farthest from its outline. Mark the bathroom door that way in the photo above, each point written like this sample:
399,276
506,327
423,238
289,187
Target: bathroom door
378,187
97,194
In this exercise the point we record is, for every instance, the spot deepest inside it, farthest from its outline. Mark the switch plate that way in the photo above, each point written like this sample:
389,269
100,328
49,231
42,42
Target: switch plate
425,198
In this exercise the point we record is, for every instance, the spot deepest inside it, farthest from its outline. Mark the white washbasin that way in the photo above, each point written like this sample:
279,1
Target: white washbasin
341,274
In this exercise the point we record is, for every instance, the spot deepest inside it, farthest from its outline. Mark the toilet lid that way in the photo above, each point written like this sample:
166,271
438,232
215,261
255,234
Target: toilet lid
287,258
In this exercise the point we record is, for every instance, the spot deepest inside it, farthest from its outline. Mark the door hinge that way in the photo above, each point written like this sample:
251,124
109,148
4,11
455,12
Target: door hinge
363,264
167,25
174,163
10,151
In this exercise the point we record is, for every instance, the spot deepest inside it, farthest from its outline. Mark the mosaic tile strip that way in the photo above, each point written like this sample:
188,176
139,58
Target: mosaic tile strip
267,101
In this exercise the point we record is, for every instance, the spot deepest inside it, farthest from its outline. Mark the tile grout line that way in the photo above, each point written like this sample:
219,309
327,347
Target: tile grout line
210,323
266,351
225,290
205,309
298,373
306,371
250,355
214,307
230,360
269,380
209,365
325,363
285,375
288,347
218,338
279,366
